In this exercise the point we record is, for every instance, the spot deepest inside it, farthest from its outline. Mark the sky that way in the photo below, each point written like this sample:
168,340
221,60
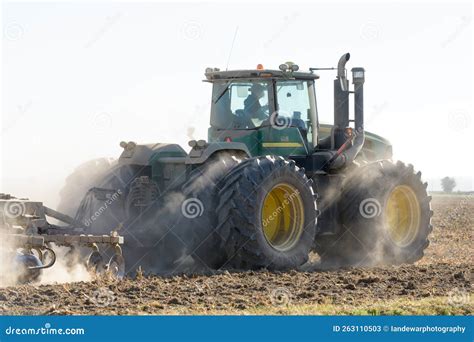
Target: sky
79,77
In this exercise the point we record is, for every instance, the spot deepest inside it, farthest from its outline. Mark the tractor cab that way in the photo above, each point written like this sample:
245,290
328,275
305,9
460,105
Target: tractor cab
273,112
270,111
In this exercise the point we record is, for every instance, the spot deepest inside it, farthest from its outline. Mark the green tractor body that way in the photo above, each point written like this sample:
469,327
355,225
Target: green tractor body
271,183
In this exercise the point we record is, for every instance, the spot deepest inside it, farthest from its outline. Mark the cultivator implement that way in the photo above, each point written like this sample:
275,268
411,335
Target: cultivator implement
30,241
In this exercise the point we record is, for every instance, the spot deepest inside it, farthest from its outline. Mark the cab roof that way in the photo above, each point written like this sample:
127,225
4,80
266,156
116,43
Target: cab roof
216,75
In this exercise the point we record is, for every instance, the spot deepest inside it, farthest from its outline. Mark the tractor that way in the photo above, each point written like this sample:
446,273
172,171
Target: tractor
268,187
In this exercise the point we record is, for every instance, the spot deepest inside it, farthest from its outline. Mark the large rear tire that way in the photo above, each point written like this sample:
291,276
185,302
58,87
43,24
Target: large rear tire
266,214
201,190
386,217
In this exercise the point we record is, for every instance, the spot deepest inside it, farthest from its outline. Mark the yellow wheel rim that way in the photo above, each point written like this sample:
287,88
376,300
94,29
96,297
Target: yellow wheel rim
402,215
283,216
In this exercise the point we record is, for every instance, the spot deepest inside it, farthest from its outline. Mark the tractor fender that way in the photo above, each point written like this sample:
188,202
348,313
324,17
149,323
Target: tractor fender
146,154
199,154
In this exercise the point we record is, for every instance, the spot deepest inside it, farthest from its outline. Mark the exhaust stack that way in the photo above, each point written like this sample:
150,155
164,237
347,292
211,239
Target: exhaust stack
341,103
341,70
358,79
346,155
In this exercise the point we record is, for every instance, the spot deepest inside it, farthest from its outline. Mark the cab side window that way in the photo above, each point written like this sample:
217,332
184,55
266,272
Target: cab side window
294,106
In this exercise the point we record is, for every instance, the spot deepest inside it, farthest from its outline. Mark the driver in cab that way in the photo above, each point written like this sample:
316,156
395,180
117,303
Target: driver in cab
252,107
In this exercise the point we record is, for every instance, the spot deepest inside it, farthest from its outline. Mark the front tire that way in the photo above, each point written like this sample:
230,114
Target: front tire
201,189
266,214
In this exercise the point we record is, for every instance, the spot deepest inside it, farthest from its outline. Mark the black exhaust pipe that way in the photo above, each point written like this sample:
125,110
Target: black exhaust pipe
341,70
345,153
341,103
358,78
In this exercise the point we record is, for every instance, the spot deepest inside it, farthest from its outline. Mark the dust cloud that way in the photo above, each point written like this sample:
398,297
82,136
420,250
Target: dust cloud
69,267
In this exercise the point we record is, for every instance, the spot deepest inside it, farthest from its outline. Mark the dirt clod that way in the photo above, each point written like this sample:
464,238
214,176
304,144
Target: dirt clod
350,287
